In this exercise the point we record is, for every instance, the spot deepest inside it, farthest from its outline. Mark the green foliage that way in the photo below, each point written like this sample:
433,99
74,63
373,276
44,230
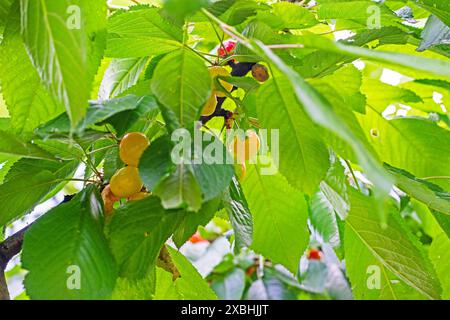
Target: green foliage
351,177
305,156
279,214
137,232
77,266
65,56
391,249
240,215
139,33
189,286
173,85
29,103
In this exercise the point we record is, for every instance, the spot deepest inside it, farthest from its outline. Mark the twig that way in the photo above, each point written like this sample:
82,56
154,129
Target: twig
353,174
199,54
435,178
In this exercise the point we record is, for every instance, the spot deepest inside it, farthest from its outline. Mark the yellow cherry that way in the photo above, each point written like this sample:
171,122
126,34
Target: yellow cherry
217,71
126,182
210,106
131,148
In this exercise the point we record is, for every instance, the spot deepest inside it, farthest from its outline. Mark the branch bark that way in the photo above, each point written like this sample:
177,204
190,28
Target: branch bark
4,293
8,249
12,247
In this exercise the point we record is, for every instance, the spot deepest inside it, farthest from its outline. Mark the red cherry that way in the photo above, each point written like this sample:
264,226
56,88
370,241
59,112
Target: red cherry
229,45
250,271
314,254
197,238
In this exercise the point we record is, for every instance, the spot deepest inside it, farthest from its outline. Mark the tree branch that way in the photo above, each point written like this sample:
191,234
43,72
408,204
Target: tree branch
8,249
4,293
12,247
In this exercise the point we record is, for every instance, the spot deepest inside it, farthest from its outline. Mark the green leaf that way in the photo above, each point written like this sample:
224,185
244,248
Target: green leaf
189,286
213,176
280,213
357,11
28,101
120,75
245,83
285,15
17,198
62,150
323,219
65,40
156,162
443,220
4,10
440,256
179,10
14,146
112,163
240,215
439,8
129,289
395,140
180,190
141,32
6,162
303,155
380,95
66,248
146,110
103,111
397,254
193,220
27,183
430,194
334,188
125,108
137,232
409,61
346,82
320,110
182,83
241,10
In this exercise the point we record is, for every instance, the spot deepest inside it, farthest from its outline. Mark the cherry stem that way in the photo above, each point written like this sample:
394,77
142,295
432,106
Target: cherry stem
435,178
353,174
101,149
